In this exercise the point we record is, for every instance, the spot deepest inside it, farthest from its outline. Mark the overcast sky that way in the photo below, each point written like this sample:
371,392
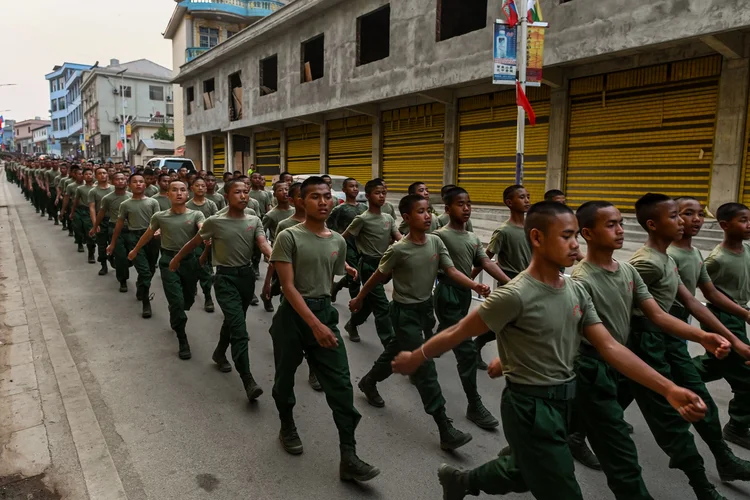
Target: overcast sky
39,34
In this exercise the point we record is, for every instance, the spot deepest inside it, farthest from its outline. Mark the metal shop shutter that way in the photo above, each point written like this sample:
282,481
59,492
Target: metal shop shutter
303,149
649,129
268,153
350,148
745,189
413,146
219,156
487,145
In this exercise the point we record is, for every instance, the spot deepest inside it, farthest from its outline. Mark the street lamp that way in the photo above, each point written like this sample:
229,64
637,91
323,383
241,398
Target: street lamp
121,74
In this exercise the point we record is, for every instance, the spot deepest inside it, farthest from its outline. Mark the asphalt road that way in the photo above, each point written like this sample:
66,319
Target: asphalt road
182,430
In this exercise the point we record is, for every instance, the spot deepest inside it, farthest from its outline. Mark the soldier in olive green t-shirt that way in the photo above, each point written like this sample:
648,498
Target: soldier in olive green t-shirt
110,209
82,215
163,200
274,217
99,233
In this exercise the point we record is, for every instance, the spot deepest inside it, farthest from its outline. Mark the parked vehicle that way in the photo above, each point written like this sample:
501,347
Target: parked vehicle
337,187
171,163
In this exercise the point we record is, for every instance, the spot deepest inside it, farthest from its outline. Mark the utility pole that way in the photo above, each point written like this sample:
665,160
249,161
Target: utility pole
523,35
121,74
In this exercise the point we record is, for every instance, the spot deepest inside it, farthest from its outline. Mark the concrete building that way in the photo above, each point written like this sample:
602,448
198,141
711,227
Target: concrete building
6,136
65,109
638,96
118,96
41,136
23,134
197,26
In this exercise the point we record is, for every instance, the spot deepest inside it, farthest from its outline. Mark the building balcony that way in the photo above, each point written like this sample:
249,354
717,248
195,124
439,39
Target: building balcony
193,52
243,10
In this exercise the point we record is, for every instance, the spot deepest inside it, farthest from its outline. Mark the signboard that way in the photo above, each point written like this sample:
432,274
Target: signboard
504,44
535,54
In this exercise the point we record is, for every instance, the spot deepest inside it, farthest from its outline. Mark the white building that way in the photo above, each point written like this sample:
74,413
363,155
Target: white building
41,137
120,95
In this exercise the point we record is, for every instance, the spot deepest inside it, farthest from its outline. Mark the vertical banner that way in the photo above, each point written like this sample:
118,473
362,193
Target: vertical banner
504,54
535,54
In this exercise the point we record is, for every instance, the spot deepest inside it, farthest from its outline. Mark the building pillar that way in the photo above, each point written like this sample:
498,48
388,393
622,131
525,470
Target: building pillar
557,149
252,150
204,152
729,138
323,149
377,146
282,151
450,138
229,153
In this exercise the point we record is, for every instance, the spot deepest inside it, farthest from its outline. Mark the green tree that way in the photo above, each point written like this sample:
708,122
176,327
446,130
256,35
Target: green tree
163,134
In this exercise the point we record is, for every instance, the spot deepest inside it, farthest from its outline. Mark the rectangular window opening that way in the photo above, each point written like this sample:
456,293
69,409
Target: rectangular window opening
209,37
313,52
235,99
374,36
269,75
209,94
190,94
458,17
155,93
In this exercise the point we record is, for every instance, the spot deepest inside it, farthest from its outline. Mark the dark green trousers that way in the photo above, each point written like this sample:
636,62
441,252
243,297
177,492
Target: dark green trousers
179,287
732,369
152,249
102,240
598,412
81,226
451,305
140,262
408,323
540,460
352,258
205,272
122,264
490,336
292,340
234,288
671,432
376,303
51,208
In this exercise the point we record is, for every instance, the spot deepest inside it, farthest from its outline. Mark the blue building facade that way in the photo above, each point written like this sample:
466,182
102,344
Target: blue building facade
66,112
6,136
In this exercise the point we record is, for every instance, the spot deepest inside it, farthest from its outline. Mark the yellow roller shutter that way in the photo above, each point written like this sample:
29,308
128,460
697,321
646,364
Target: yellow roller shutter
413,146
303,149
268,153
487,145
644,130
350,147
219,156
745,191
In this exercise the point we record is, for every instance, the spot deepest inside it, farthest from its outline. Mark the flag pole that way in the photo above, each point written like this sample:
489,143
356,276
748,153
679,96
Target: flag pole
523,31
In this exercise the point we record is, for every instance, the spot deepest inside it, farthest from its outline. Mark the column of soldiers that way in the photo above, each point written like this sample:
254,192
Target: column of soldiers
575,351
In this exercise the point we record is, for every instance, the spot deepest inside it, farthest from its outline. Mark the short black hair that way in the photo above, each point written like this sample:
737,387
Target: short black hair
314,180
510,191
87,169
178,180
372,184
686,198
324,176
347,180
100,168
163,174
445,189
406,205
209,172
451,194
294,189
228,186
137,174
148,171
552,193
74,167
729,211
413,187
645,207
541,214
227,174
277,184
587,212
237,172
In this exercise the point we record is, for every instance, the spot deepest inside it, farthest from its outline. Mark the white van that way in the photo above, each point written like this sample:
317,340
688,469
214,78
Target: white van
171,163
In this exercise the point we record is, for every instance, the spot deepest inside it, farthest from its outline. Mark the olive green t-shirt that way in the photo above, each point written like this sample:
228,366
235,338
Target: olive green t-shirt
248,211
512,248
415,268
286,224
274,217
730,272
660,274
49,176
176,229
163,201
70,191
151,190
138,213
82,195
63,182
692,273
538,327
613,293
262,198
403,228
111,205
373,233
218,199
444,219
97,194
315,259
389,209
233,240
342,216
464,248
208,208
